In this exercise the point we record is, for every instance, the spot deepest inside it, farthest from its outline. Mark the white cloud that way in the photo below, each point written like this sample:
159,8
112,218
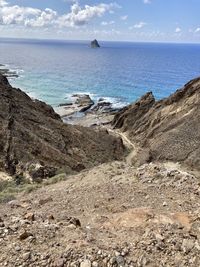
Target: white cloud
70,1
81,16
33,17
139,25
177,30
46,18
197,30
16,14
124,17
3,3
105,23
147,1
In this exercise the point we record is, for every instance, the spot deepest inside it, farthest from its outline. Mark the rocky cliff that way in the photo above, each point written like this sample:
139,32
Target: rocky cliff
33,138
168,129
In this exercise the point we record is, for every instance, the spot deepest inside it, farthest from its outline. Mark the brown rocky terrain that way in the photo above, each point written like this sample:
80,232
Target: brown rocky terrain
116,214
165,130
112,215
33,138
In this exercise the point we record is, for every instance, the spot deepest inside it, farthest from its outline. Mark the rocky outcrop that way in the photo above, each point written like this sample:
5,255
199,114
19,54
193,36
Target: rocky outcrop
95,44
103,106
83,102
168,129
8,73
33,138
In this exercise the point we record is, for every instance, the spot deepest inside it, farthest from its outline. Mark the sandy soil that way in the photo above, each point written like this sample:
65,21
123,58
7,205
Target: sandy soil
112,215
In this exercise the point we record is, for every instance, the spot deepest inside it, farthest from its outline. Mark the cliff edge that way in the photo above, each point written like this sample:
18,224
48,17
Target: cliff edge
168,129
33,138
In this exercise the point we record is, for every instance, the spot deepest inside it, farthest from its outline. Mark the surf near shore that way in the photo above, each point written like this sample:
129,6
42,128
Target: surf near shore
4,70
81,109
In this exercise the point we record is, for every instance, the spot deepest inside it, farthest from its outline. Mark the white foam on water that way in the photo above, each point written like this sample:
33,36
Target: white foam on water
18,71
71,98
116,102
32,95
12,69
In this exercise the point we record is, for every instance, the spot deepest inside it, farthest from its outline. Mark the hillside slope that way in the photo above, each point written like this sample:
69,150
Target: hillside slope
168,129
33,138
110,216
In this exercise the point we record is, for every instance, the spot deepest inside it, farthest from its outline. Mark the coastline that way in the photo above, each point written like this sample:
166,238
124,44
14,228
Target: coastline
83,110
4,70
75,111
82,209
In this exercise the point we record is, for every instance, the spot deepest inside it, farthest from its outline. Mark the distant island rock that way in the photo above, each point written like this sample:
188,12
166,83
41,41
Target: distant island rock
95,44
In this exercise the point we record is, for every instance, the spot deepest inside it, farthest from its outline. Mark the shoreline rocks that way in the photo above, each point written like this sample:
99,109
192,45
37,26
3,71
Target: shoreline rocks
83,101
79,103
82,110
7,72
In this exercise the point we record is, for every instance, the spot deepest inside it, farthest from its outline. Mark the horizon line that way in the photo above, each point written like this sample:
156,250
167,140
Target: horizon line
99,40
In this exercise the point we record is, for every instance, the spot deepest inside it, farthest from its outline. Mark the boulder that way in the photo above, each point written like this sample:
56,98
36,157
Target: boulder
83,101
103,106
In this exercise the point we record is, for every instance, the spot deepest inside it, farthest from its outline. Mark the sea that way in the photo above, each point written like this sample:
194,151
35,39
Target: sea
120,72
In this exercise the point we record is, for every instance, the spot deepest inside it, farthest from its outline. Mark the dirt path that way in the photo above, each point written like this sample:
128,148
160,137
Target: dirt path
127,142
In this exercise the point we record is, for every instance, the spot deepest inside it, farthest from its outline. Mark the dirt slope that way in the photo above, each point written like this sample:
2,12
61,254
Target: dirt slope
168,129
111,215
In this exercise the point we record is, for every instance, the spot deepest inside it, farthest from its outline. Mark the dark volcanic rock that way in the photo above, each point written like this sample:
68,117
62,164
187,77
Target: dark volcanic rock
84,102
65,104
103,106
8,73
32,134
3,80
170,128
95,44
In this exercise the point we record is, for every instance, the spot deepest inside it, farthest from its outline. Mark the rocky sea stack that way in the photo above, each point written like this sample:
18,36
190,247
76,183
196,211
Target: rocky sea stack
95,44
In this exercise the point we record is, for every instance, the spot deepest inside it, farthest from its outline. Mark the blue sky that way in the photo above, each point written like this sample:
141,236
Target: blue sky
117,20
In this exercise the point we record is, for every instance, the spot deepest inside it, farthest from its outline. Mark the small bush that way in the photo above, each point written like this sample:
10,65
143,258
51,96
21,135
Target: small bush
30,188
10,188
5,184
6,197
55,179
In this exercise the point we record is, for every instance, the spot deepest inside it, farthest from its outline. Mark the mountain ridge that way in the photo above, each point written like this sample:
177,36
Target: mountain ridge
33,135
167,129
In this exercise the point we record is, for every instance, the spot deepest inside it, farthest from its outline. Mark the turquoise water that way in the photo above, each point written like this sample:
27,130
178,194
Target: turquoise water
121,72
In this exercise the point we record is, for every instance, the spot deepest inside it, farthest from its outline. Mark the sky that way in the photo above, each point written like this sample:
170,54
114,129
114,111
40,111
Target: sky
117,20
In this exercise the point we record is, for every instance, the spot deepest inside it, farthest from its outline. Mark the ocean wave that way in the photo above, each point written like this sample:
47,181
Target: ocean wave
32,95
18,71
70,96
12,70
116,102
